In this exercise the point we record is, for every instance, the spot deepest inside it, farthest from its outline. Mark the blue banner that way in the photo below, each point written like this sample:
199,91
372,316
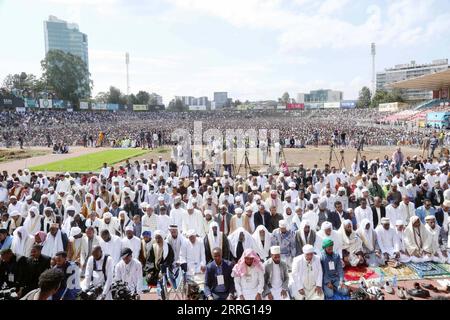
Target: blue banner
59,104
112,106
30,103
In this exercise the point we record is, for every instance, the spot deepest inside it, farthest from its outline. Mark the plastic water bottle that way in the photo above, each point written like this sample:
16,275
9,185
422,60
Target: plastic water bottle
394,281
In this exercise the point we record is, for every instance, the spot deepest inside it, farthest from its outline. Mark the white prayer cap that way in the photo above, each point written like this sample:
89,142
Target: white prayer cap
191,233
275,250
238,210
67,174
51,189
122,211
273,192
399,222
208,212
385,220
291,184
238,177
15,213
28,198
307,248
237,198
209,196
126,189
107,215
74,231
70,208
254,188
288,193
144,205
347,222
129,228
326,225
69,197
157,233
160,198
341,189
365,190
12,197
36,185
447,203
282,224
248,208
359,184
267,186
225,173
114,180
430,217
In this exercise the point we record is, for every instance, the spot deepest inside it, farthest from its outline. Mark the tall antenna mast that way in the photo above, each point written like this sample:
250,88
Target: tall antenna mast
373,52
127,62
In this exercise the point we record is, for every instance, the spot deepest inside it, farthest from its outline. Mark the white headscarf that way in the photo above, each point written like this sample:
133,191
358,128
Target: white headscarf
366,236
301,230
19,245
53,244
32,225
234,239
262,251
214,242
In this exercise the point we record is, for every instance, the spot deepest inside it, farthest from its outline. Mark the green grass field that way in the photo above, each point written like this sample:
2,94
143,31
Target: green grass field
90,162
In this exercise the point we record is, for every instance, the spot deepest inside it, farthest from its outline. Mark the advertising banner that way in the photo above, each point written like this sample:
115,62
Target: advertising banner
112,106
59,104
295,106
45,103
11,101
197,108
30,103
348,104
84,105
281,107
156,107
98,106
313,105
331,105
139,107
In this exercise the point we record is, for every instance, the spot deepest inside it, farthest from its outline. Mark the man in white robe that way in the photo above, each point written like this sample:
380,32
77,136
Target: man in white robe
111,245
131,241
109,223
99,272
53,242
248,276
192,253
262,238
22,242
193,219
129,270
176,214
88,242
33,221
176,241
363,212
416,239
386,239
307,275
394,213
438,252
149,219
404,257
276,278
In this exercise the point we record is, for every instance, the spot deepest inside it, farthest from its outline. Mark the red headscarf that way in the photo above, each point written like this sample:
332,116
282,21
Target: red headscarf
240,269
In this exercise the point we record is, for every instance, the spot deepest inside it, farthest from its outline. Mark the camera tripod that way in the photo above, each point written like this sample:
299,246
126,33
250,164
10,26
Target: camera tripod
341,161
246,163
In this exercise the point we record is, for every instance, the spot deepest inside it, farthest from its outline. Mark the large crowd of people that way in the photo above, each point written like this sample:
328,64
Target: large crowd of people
124,128
287,235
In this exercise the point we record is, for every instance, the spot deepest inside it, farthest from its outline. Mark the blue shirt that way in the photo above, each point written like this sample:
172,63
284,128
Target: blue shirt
422,212
332,267
6,243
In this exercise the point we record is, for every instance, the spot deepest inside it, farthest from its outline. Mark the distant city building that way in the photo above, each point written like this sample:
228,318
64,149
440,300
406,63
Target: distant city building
220,99
407,71
64,36
194,102
321,95
157,98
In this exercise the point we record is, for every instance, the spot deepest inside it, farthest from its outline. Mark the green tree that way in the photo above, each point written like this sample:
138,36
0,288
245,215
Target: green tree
21,81
285,98
177,105
67,74
116,96
364,98
131,99
383,96
102,97
143,97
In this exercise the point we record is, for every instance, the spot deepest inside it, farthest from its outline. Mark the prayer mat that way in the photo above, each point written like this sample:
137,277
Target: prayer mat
444,266
402,272
427,269
355,273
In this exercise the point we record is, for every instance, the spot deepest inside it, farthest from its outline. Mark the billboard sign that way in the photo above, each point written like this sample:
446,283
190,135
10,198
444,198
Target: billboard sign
45,103
348,104
197,108
84,105
295,106
281,107
59,104
139,107
112,106
99,106
30,103
331,105
313,105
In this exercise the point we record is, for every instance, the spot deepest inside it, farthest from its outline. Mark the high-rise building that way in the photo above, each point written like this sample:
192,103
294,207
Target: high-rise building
407,71
220,99
321,95
64,36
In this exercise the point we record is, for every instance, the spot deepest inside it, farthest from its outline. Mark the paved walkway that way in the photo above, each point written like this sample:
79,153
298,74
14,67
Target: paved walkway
13,166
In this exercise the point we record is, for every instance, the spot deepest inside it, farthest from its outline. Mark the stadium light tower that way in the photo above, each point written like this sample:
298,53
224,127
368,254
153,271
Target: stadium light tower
127,62
373,52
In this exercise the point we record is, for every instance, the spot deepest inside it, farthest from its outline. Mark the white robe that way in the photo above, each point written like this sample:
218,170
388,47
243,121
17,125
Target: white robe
386,240
134,244
98,277
52,244
250,284
112,247
130,273
194,255
307,276
193,221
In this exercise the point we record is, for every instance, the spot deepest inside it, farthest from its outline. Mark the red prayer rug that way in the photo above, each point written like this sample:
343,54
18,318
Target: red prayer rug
355,273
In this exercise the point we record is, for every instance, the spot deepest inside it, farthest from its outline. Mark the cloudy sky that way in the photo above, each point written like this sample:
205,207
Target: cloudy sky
254,49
